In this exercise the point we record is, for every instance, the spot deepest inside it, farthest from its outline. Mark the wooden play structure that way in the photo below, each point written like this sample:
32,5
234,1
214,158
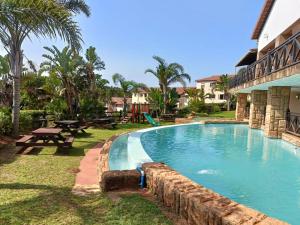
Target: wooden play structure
137,112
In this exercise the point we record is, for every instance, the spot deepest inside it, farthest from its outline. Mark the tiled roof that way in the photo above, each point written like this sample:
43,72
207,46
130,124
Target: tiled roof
119,100
211,78
262,18
181,90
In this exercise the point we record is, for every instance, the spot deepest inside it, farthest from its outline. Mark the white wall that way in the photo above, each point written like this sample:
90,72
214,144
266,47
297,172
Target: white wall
209,90
283,15
139,98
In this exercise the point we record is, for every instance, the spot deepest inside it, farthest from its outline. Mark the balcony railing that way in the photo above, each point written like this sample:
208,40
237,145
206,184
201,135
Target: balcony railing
293,123
285,55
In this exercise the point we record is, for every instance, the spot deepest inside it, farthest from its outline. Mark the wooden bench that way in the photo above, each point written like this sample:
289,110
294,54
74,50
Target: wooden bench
23,140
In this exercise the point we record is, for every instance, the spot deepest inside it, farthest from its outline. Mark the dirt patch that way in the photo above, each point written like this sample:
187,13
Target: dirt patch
4,140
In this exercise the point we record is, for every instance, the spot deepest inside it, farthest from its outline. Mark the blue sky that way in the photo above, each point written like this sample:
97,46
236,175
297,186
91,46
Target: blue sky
206,37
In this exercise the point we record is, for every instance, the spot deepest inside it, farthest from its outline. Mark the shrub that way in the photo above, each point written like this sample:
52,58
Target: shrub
29,119
89,108
183,112
197,106
5,123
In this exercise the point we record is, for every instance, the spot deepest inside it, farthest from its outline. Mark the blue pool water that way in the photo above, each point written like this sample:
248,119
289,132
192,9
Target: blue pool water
233,160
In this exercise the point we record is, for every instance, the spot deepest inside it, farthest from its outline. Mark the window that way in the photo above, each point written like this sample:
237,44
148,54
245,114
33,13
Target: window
212,85
202,86
221,96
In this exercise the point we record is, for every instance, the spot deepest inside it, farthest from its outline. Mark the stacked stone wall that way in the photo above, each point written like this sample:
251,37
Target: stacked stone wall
277,106
257,109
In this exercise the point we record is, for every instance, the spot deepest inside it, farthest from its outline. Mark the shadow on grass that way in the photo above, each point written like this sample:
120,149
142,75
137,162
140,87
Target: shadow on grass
8,154
52,205
55,205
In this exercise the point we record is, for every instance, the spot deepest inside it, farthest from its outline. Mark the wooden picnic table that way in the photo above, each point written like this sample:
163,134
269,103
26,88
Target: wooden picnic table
106,121
71,126
43,137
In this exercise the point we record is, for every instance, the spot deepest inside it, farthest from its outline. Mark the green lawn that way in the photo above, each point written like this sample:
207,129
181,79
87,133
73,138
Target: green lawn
36,189
224,114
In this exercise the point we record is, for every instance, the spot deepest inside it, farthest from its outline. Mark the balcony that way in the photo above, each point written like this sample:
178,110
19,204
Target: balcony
284,56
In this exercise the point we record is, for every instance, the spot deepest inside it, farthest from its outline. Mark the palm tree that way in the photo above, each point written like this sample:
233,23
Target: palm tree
223,85
127,86
65,65
20,19
93,63
168,74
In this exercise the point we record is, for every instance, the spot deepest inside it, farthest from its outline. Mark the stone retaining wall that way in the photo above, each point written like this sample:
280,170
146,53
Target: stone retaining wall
196,204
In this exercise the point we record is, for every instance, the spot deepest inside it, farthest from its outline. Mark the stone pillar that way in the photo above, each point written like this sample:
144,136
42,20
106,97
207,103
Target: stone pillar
241,105
257,108
277,106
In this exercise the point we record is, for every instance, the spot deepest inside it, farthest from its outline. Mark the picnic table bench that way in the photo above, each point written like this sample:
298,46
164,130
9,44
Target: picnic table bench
70,126
44,137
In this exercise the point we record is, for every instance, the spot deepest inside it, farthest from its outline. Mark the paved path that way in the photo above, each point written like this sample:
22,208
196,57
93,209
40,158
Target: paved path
87,178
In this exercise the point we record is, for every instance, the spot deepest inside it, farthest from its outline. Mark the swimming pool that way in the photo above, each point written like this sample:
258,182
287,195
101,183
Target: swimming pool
233,160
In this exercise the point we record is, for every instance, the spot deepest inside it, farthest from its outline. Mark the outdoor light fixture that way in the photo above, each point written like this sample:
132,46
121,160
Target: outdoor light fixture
298,96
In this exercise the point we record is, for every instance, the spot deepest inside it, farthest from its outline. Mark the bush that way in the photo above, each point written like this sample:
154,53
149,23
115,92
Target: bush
58,107
197,106
89,108
183,112
5,123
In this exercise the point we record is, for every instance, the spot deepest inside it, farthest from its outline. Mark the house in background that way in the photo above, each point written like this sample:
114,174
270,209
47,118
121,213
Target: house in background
272,73
208,84
117,104
140,96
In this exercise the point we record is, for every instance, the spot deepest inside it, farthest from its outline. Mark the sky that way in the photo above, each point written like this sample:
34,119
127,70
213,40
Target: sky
206,37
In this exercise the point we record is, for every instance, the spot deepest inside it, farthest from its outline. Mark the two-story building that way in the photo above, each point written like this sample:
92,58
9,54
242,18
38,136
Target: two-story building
272,72
208,84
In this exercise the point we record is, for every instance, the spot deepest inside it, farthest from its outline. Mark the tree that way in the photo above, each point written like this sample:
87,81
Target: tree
168,74
65,65
20,19
155,98
197,94
93,63
127,86
223,85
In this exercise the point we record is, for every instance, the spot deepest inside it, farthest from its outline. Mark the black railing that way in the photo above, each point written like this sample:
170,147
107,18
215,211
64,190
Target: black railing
293,123
285,55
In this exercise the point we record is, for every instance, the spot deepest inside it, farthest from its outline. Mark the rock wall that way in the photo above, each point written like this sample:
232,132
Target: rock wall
241,105
196,204
257,109
277,106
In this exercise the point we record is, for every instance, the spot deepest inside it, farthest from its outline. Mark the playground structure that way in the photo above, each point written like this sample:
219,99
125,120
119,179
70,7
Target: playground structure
137,112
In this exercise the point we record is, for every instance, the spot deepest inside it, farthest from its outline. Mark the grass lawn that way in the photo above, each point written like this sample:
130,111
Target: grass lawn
36,189
224,114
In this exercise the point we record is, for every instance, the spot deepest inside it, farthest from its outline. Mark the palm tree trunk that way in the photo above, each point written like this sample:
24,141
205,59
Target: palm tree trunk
16,64
228,101
165,99
124,106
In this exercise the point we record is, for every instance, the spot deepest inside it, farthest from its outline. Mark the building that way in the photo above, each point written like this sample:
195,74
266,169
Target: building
208,84
117,104
271,74
183,100
140,96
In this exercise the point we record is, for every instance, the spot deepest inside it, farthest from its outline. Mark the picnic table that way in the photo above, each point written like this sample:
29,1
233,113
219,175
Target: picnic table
105,121
71,126
44,137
